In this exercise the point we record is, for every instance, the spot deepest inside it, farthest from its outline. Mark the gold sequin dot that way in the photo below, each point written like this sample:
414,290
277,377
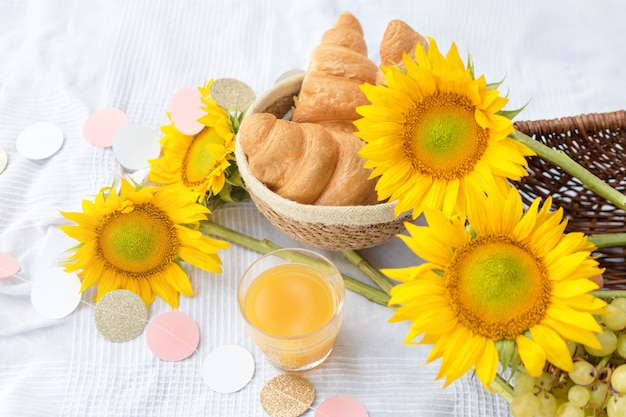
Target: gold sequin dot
287,395
232,94
120,315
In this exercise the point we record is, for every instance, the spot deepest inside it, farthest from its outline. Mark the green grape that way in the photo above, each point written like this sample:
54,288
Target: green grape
582,373
597,394
544,381
579,395
618,379
621,345
523,382
547,405
616,407
619,302
569,410
525,404
615,319
560,390
608,341
571,346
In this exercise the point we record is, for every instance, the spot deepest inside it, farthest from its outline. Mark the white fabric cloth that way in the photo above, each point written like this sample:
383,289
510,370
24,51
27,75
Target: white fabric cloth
62,60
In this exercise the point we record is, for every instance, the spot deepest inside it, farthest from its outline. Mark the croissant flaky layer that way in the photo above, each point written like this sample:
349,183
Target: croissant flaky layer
305,162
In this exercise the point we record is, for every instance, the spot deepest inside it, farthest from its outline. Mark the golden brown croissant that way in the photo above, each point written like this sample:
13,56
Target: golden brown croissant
398,38
330,90
305,162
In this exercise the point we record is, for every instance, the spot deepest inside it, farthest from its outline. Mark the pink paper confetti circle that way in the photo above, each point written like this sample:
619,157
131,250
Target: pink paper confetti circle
101,127
341,406
173,336
185,110
8,265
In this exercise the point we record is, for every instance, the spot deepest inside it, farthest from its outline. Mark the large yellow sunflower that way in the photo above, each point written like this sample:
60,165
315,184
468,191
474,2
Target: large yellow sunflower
436,136
512,276
136,238
197,162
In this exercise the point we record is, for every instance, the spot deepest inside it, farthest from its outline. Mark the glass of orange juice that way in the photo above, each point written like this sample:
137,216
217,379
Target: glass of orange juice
292,303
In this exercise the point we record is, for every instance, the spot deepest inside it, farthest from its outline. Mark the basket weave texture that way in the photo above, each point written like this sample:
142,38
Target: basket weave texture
596,141
325,227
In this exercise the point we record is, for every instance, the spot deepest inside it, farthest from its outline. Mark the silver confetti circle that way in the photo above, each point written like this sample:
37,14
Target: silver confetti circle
120,315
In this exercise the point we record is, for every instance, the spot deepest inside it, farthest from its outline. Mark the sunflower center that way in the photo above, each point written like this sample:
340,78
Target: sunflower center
498,287
201,157
137,243
442,138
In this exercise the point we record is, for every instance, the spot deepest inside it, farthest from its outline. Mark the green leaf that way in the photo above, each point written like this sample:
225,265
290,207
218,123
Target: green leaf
510,114
508,355
470,65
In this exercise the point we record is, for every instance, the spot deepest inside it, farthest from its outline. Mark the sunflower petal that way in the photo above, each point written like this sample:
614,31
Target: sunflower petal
532,355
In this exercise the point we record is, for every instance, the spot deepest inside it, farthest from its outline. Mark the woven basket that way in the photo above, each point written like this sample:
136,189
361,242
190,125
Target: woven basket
597,142
326,227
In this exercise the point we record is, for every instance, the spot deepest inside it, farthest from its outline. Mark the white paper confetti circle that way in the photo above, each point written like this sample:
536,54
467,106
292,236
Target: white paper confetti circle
4,159
56,293
288,74
134,145
39,141
228,369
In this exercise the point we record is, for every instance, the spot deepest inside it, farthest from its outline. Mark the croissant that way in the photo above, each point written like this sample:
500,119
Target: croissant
330,90
305,162
399,38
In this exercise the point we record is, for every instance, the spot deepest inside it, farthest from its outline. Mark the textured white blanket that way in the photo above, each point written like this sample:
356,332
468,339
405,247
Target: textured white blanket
62,60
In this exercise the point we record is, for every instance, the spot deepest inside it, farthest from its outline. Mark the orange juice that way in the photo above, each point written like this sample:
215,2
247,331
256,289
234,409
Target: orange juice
289,300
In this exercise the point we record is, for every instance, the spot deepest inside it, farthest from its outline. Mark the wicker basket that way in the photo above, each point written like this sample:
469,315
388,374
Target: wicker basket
326,227
597,142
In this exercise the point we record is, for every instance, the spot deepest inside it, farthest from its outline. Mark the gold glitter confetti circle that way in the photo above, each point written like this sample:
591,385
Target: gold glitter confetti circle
287,395
232,94
4,158
120,315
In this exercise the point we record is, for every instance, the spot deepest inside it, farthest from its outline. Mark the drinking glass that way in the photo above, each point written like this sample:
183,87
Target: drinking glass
292,303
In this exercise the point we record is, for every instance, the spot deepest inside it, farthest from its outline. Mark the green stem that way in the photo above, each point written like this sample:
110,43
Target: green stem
265,246
608,240
608,293
375,275
503,388
603,362
567,164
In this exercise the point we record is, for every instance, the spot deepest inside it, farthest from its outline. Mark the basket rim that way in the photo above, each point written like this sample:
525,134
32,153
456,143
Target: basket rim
586,123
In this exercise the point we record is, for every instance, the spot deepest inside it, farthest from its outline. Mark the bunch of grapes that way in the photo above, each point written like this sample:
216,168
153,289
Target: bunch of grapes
596,385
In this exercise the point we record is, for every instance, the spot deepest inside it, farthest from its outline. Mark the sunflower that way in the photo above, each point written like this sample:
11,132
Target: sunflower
136,238
198,162
511,276
436,136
